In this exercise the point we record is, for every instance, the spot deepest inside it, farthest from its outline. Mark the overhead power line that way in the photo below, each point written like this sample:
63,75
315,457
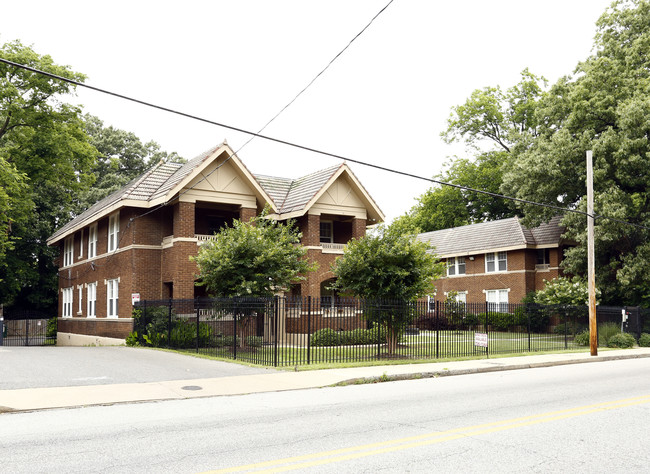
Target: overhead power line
314,150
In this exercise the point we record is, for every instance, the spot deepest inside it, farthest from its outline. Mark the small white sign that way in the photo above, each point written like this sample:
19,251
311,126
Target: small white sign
480,339
135,298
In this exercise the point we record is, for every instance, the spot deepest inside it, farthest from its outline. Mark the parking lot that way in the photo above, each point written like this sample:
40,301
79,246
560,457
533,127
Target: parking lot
51,366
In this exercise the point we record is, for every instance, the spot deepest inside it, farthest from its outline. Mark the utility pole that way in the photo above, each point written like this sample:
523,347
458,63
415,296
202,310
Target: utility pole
591,272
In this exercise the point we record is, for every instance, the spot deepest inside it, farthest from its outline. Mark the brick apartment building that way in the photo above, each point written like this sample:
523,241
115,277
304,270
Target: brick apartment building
137,242
498,261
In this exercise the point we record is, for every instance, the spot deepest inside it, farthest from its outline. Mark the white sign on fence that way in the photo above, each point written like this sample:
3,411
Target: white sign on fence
480,339
135,298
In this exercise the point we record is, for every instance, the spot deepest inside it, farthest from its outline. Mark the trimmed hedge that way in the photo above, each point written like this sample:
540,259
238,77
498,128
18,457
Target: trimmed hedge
644,340
621,340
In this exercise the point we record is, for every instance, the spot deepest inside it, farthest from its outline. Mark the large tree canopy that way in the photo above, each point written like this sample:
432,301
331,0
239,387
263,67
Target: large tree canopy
46,158
494,125
604,107
121,157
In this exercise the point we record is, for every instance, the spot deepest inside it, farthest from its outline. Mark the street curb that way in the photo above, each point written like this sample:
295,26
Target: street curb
479,370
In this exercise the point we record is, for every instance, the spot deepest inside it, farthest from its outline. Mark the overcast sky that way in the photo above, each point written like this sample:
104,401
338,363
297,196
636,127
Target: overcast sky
238,62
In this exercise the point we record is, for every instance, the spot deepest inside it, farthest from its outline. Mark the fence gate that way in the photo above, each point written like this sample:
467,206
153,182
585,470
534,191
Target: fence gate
30,330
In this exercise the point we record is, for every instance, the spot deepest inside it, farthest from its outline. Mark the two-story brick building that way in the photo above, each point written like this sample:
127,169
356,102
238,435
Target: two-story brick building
498,261
137,242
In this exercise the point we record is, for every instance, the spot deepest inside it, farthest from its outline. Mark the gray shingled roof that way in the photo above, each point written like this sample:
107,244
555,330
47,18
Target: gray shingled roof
493,235
291,195
152,184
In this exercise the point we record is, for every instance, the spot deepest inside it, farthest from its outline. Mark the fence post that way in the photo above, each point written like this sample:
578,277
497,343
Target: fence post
437,323
169,323
234,330
276,314
566,329
2,329
528,306
308,329
27,332
487,319
197,326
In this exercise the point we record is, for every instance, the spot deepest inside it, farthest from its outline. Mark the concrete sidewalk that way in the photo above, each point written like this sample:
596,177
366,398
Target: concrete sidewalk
66,397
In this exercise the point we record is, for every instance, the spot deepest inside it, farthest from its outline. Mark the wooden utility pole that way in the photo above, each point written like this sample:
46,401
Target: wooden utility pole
591,272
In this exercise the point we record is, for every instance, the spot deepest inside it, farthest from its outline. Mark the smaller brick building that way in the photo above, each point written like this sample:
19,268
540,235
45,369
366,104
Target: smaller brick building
498,261
137,242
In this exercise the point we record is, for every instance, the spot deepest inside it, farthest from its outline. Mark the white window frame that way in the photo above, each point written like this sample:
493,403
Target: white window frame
91,296
324,238
66,302
68,251
81,244
112,297
92,241
80,290
113,232
498,260
498,299
455,265
461,297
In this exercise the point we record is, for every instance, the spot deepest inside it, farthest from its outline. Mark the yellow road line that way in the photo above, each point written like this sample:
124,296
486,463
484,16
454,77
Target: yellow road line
355,452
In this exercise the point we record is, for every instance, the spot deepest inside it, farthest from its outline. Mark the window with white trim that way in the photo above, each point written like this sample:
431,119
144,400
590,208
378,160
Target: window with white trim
81,244
67,302
112,291
498,300
92,241
461,297
68,251
496,262
455,266
113,232
326,233
80,289
91,296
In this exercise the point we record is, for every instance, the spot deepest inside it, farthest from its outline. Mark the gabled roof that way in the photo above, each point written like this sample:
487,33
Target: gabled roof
294,197
158,185
493,236
164,181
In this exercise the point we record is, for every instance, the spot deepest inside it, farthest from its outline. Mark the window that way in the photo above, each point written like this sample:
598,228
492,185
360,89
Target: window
431,303
112,289
67,302
81,244
113,232
455,266
496,262
92,241
91,296
543,257
461,297
80,310
68,251
326,234
498,300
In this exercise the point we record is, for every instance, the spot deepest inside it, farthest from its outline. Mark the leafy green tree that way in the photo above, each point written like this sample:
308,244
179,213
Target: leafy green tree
563,291
388,264
15,206
252,259
121,158
442,207
43,145
604,107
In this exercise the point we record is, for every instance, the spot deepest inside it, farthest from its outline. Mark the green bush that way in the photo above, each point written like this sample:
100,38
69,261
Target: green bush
621,340
51,328
582,339
503,321
606,331
572,327
644,340
132,339
325,337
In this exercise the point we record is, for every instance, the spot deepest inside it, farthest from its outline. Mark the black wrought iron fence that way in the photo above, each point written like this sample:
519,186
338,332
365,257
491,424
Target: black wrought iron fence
284,331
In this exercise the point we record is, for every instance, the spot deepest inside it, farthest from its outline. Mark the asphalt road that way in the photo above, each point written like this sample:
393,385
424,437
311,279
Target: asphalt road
35,367
586,417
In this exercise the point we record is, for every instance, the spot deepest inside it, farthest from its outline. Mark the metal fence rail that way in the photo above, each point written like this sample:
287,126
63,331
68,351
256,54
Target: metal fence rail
284,331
